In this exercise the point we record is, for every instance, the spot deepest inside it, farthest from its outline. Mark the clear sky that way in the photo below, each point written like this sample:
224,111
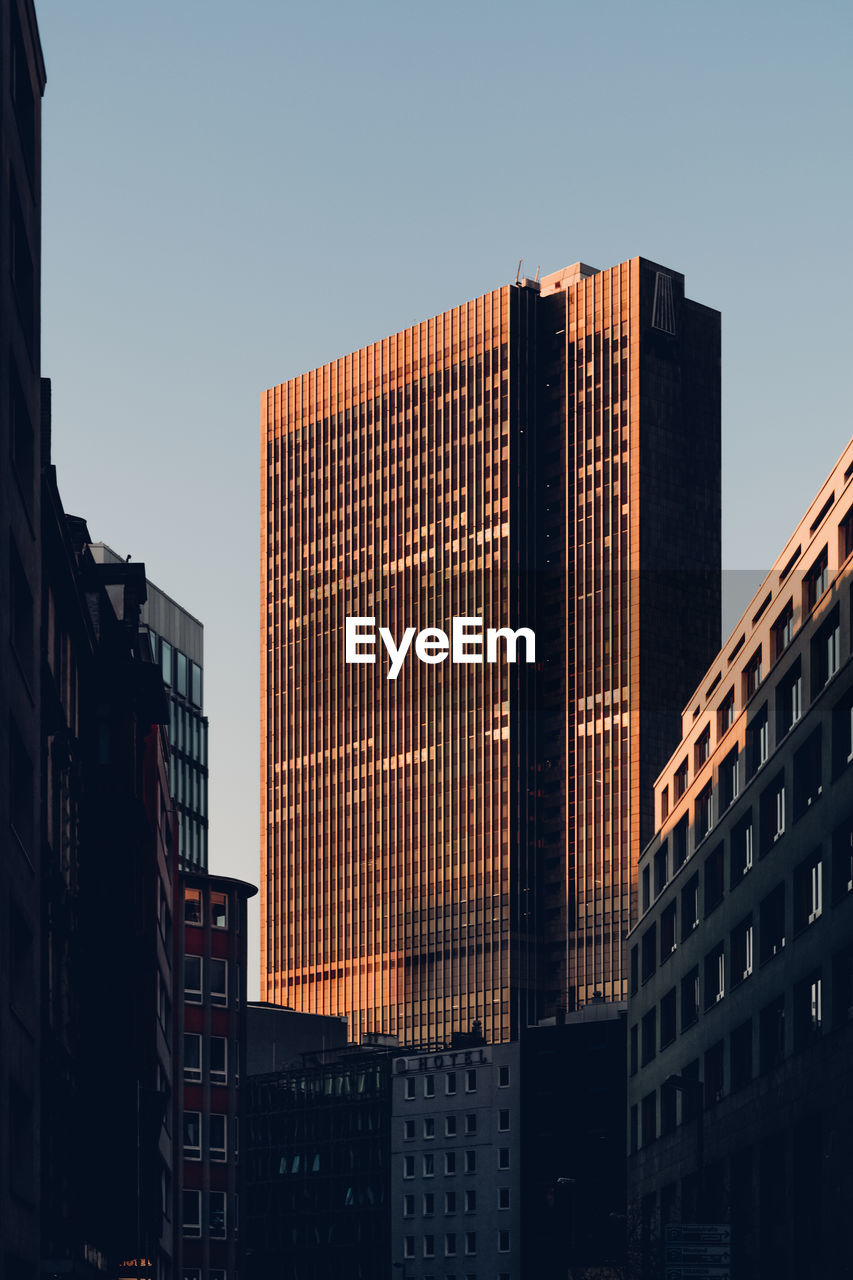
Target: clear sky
234,193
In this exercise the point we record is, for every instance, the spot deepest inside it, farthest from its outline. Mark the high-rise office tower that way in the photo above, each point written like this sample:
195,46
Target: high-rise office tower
177,645
459,844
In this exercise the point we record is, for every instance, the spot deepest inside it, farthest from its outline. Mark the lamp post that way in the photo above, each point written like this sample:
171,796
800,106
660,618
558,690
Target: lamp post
692,1084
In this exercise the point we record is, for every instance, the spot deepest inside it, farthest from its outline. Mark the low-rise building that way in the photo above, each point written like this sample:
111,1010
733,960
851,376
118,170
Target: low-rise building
741,963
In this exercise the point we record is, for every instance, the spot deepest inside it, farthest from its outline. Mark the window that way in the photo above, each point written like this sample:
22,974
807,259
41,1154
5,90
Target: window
166,661
195,685
783,631
679,783
703,812
429,1127
703,748
429,1204
450,1084
714,1074
667,1019
429,1166
842,734
757,741
503,1198
742,951
218,981
503,1120
679,843
635,970
808,1011
740,1055
664,805
668,1115
816,581
450,1244
218,1139
218,1060
450,1163
408,1206
635,1052
219,910
689,907
408,1166
714,877
429,1246
429,1086
192,1213
471,1122
649,1115
772,813
667,931
660,869
646,888
503,1077
470,1081
752,675
503,1242
772,923
408,1246
741,849
715,976
842,859
450,1202
771,1029
634,1129
690,998
807,774
726,714
470,1201
503,1157
470,1161
845,537
729,780
410,1088
789,700
808,892
192,979
826,652
470,1242
449,1126
408,1130
192,1056
649,947
648,1035
192,906
192,1135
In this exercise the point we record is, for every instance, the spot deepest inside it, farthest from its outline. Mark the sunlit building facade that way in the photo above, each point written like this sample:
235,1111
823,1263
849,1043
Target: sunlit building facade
458,845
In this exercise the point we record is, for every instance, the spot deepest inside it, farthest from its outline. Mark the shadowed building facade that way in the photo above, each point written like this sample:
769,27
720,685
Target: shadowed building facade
459,844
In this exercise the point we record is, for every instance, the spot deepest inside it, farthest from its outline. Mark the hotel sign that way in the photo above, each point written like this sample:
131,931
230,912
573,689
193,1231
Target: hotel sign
442,1061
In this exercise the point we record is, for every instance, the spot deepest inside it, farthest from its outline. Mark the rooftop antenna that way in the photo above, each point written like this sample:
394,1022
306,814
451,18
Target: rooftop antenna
537,273
518,272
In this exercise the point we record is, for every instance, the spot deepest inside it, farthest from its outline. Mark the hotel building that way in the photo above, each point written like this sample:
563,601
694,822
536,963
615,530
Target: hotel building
741,963
459,844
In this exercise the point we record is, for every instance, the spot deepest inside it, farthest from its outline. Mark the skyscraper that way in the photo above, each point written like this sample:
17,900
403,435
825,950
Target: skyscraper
459,843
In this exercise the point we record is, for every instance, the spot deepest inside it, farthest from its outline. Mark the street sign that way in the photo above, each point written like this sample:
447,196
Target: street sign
698,1232
697,1251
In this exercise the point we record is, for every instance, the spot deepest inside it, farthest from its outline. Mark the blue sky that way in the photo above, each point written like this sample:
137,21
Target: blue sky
236,193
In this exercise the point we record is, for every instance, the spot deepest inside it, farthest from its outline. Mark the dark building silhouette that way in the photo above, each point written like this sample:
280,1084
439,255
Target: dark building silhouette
319,1147
573,1211
22,79
741,962
460,843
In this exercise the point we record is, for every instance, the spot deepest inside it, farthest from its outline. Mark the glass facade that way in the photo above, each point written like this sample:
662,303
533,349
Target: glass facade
188,740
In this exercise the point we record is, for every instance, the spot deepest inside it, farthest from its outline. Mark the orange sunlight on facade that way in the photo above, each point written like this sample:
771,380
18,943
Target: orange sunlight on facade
459,844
